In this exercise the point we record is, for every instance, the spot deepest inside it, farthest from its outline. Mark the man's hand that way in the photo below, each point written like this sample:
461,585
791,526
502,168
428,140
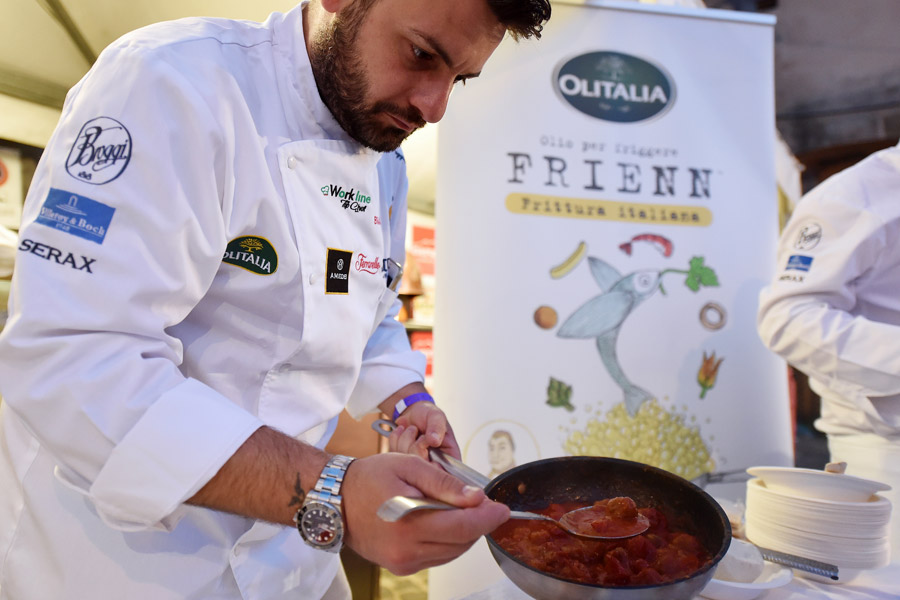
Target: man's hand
422,426
421,539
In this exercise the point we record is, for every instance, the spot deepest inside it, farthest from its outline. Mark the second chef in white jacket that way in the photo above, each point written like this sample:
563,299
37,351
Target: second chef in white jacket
833,311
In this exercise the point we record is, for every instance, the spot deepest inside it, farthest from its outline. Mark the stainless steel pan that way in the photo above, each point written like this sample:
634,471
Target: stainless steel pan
587,478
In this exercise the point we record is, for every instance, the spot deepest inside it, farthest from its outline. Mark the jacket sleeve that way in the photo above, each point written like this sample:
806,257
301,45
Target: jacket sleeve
833,250
388,361
122,235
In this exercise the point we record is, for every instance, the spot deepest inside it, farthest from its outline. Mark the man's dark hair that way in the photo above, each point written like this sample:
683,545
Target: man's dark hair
522,18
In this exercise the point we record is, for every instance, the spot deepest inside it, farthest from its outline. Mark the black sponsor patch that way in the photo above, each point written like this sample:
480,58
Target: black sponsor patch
60,257
337,271
251,252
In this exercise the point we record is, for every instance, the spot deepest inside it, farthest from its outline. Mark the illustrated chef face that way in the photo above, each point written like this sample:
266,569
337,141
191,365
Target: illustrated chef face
501,451
386,67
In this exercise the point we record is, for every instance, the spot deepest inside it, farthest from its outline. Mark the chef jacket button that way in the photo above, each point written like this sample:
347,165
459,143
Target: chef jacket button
291,162
284,368
313,278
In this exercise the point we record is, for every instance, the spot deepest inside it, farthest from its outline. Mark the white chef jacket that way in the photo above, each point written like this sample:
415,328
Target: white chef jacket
201,254
833,308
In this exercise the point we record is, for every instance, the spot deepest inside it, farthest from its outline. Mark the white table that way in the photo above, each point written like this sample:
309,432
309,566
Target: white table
880,584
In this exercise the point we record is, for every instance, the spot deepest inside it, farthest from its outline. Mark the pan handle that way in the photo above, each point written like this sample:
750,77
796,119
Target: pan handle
452,465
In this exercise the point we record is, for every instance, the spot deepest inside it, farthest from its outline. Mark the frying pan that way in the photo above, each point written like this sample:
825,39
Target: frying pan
537,484
687,507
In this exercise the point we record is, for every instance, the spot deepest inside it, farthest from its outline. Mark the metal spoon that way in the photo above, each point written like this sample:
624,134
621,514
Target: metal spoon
398,507
401,505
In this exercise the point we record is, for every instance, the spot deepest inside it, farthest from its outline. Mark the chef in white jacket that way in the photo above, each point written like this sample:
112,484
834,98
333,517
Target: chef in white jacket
205,278
833,311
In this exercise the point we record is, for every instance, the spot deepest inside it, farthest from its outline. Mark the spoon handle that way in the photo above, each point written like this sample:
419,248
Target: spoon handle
398,507
454,466
521,514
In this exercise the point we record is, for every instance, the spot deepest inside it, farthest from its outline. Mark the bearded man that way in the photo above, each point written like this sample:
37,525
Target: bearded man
206,277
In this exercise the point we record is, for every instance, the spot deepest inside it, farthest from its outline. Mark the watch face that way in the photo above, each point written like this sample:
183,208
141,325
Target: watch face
321,524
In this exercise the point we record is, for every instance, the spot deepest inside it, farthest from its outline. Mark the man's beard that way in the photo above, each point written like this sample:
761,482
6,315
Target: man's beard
343,86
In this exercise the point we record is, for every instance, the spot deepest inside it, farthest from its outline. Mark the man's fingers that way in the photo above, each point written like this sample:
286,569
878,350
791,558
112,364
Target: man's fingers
460,526
448,534
404,438
436,428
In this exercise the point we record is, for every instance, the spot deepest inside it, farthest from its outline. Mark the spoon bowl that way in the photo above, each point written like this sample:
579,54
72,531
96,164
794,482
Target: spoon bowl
596,522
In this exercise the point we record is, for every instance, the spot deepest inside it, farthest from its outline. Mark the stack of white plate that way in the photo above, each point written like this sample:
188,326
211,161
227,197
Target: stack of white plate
829,517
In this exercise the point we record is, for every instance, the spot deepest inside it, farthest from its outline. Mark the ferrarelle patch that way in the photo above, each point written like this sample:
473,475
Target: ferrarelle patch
251,252
77,215
369,265
101,151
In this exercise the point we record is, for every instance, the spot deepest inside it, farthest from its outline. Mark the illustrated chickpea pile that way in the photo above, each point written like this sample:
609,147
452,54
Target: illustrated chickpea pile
653,436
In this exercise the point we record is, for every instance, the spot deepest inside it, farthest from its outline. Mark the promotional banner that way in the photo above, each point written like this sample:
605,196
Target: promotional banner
607,214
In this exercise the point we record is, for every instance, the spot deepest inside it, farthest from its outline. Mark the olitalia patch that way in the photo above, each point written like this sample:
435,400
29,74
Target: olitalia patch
337,269
613,86
77,215
254,253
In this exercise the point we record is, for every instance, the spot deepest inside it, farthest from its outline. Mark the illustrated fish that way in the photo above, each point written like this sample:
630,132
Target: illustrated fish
602,316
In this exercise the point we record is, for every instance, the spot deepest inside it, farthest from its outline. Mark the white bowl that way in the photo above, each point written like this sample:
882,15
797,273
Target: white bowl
773,576
812,483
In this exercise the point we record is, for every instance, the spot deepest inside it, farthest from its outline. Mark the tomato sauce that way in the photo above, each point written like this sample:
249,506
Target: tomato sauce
659,555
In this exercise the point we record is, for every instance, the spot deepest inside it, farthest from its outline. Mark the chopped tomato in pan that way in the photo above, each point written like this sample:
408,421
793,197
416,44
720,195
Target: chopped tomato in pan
656,556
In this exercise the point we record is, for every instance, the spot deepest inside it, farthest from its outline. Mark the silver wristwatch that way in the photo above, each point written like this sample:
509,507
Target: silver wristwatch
320,519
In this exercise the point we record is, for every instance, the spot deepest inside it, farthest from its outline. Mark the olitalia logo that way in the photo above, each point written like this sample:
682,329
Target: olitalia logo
616,87
254,253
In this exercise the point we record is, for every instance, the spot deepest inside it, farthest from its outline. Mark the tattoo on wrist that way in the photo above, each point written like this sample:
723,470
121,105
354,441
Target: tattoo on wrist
299,494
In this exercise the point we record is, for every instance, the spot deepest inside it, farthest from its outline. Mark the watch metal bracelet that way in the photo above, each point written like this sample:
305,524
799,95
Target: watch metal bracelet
328,486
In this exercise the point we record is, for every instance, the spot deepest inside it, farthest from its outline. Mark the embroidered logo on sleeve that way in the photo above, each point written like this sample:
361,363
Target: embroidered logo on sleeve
337,269
809,237
76,214
101,151
799,263
60,257
254,253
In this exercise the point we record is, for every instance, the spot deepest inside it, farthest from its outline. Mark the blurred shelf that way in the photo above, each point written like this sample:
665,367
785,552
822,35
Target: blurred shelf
417,326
